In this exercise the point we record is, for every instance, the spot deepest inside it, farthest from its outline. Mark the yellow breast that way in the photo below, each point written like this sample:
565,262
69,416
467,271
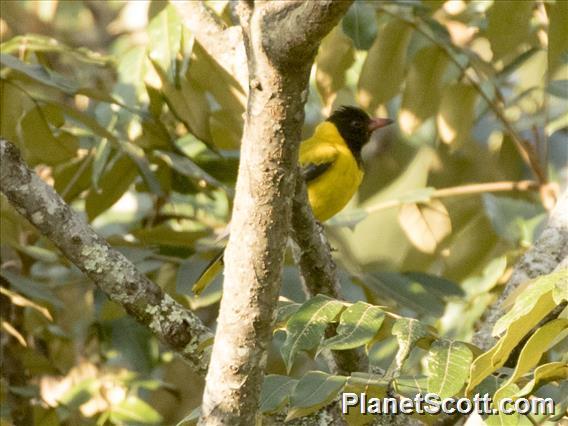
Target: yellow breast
330,192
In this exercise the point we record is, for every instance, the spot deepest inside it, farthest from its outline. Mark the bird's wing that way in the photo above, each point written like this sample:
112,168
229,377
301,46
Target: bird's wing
311,171
316,157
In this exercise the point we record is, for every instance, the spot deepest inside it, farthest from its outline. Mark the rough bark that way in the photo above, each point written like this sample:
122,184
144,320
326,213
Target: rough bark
549,253
111,271
264,192
224,45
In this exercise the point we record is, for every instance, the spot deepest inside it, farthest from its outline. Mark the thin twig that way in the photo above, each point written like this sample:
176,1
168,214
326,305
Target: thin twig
456,191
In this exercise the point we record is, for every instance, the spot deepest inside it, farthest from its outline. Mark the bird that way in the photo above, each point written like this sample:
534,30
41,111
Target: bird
331,162
331,165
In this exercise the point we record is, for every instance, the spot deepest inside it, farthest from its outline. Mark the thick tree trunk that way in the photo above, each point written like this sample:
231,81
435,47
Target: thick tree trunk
281,40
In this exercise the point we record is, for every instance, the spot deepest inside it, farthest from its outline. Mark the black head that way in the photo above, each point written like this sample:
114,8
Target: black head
355,126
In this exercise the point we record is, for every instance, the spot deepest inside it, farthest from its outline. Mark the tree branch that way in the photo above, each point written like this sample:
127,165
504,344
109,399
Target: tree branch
224,45
318,270
549,253
262,208
111,271
301,23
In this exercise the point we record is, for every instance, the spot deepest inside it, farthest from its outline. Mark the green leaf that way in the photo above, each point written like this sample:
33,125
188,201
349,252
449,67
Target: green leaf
40,144
457,113
275,392
360,25
357,326
489,277
133,409
335,56
533,350
164,35
12,106
448,367
315,390
560,290
113,184
558,88
408,332
507,215
553,371
383,71
39,74
30,288
557,40
502,419
424,78
530,308
438,286
305,329
372,385
509,24
404,290
285,310
410,386
138,156
350,218
535,300
41,43
102,155
425,224
169,234
79,394
188,168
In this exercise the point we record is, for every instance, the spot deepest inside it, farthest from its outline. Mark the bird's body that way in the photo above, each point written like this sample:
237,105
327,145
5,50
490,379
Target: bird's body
331,165
331,190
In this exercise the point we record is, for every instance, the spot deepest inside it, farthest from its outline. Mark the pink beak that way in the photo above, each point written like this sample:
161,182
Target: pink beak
377,123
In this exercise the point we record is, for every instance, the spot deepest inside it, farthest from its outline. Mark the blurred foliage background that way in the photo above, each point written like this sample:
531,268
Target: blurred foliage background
137,127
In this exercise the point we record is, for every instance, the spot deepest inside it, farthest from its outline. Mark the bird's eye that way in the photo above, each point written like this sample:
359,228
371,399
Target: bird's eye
356,124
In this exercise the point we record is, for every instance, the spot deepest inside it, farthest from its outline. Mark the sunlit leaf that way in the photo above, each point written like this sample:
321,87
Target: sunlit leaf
383,71
9,328
456,115
408,332
425,224
358,325
133,409
305,329
423,89
19,300
553,371
448,367
530,300
164,34
334,57
557,40
533,350
508,26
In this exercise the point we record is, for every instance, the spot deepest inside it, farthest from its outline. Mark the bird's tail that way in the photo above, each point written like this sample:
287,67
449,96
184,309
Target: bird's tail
209,273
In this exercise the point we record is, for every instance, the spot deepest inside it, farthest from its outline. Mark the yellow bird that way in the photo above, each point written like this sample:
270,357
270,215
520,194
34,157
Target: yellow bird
331,159
331,165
